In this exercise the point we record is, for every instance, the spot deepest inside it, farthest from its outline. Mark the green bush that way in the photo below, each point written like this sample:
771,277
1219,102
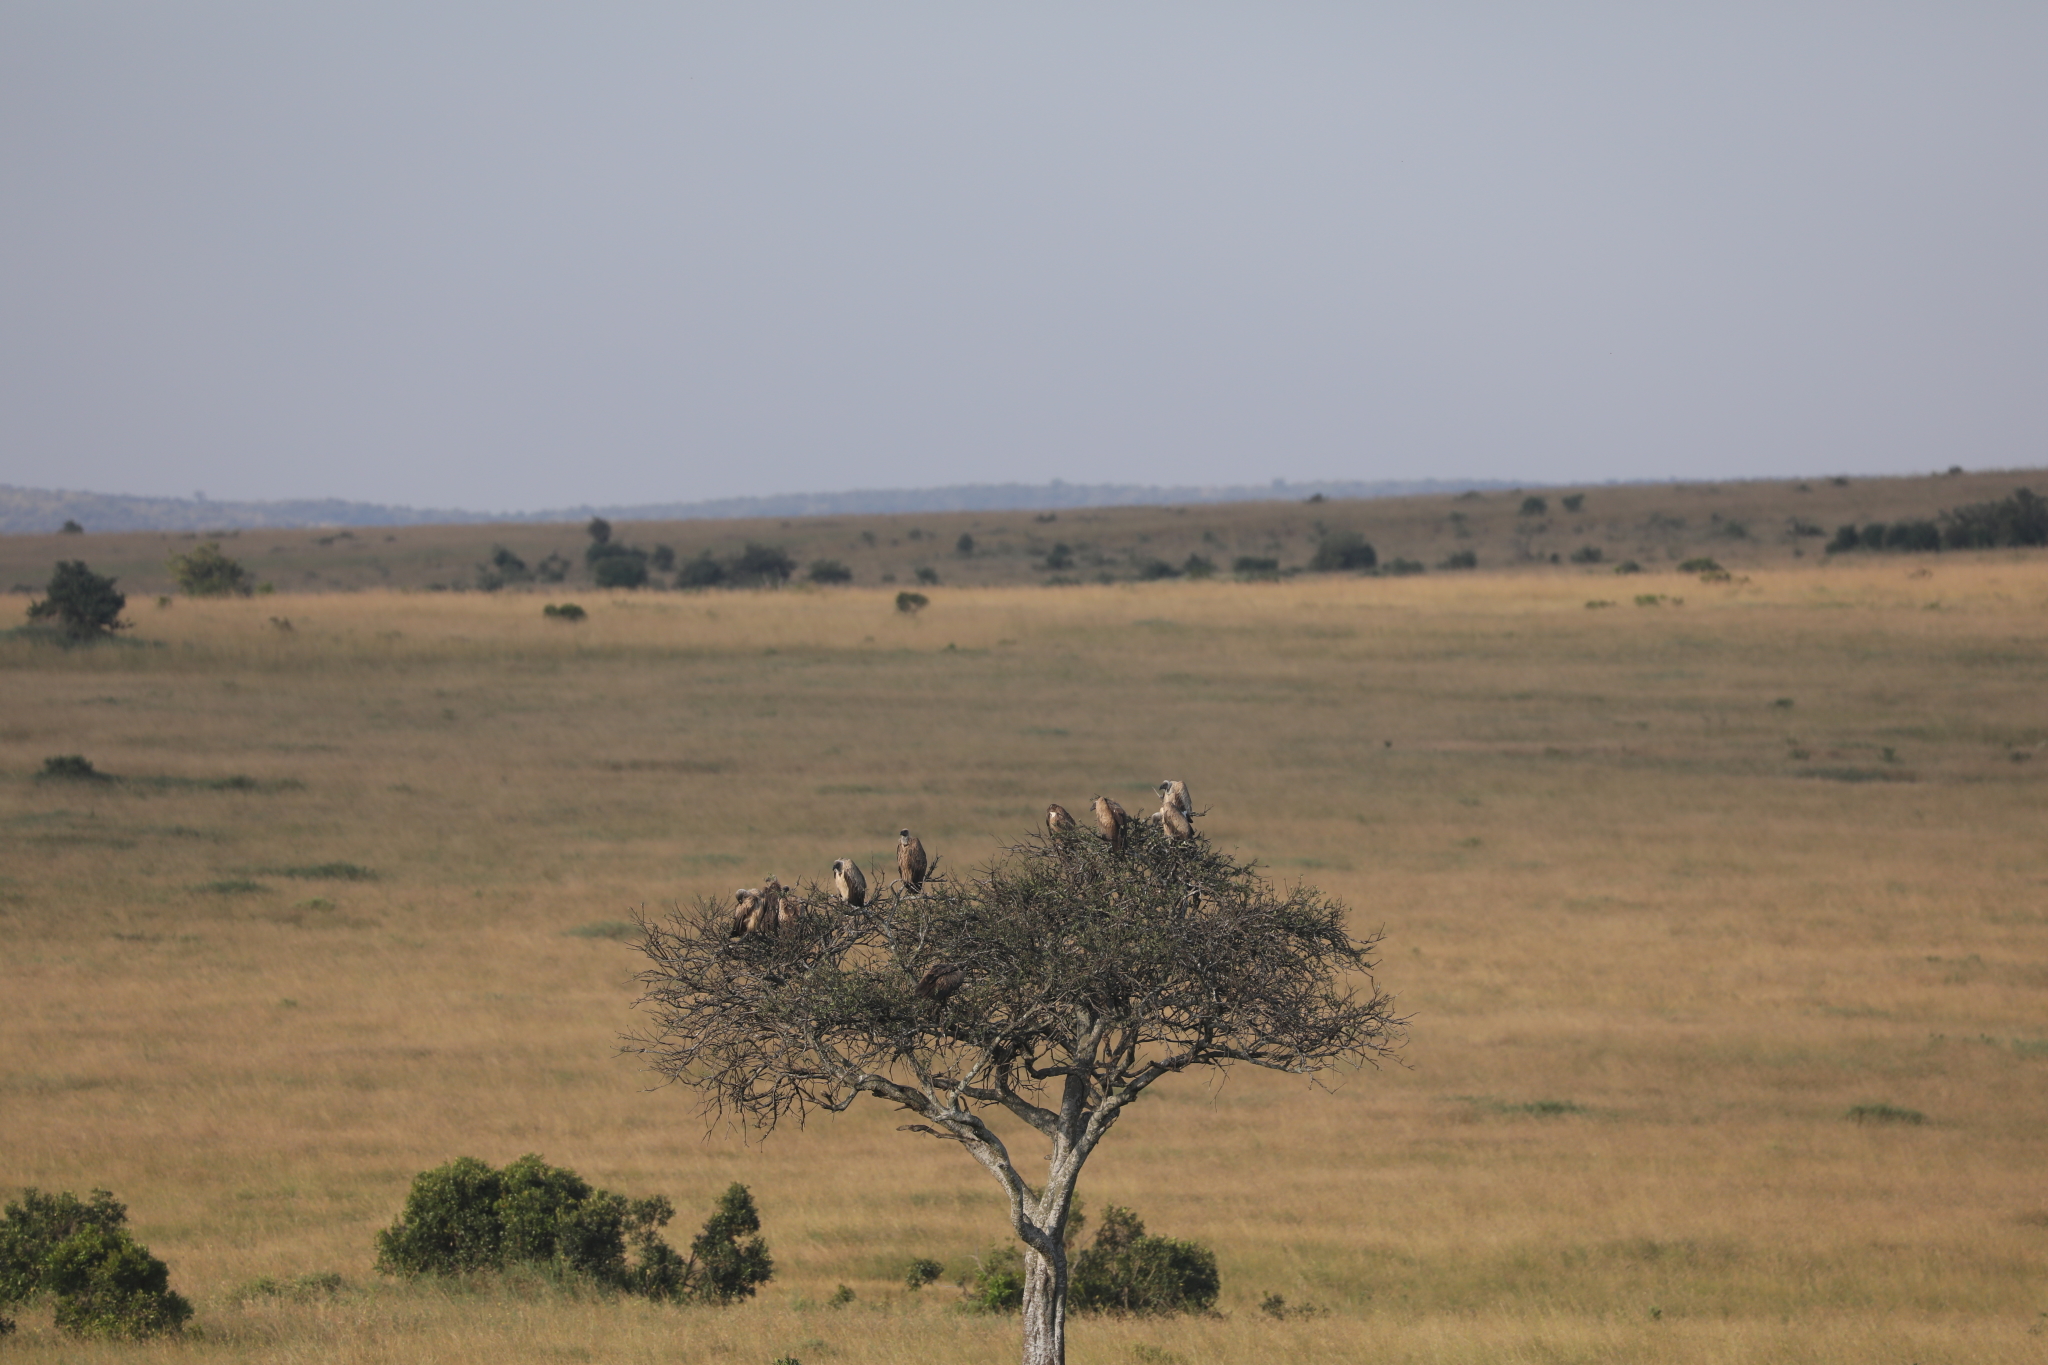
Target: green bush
997,1282
105,1283
2021,519
502,568
1199,566
830,571
566,611
553,568
624,569
466,1217
1152,570
1255,566
1699,565
1341,550
1401,568
1125,1271
911,603
927,575
74,767
964,545
1533,506
1588,554
922,1272
768,565
701,572
1459,559
82,602
1573,501
1060,556
206,572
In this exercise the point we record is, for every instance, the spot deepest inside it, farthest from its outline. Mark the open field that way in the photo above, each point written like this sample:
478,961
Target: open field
1669,889
1744,525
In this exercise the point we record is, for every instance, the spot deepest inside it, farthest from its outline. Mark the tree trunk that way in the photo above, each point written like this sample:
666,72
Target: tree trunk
1045,1307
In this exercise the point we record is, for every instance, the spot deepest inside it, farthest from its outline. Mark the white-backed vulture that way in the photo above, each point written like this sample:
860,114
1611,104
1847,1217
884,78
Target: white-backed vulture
1110,819
850,882
746,910
1057,821
941,982
1174,792
1174,821
910,861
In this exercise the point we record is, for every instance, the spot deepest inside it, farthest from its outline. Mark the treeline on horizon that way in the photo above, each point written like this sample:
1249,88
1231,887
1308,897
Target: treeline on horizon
2019,519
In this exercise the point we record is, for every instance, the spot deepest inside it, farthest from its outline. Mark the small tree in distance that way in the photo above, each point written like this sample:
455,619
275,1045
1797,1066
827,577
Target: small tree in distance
82,602
206,572
1085,975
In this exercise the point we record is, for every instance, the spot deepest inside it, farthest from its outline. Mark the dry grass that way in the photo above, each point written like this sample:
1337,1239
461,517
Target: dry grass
1660,932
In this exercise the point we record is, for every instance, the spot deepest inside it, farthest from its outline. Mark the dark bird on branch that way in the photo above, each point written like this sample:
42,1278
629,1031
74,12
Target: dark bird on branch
941,982
1110,819
850,882
1057,820
910,862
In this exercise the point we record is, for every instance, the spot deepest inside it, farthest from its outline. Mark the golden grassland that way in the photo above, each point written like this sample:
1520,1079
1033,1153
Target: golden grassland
1745,525
1669,889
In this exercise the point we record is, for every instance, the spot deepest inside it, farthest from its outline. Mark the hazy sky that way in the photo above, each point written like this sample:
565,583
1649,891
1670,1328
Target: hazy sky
508,256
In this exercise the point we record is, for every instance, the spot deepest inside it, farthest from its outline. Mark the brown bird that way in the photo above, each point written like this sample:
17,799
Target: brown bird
941,982
1175,821
1110,819
746,910
1174,792
910,862
1057,820
850,882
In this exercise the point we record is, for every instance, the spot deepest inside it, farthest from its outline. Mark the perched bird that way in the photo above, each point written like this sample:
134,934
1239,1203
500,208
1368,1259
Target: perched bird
941,982
1174,792
1057,820
850,882
1110,819
746,910
1175,822
910,862
770,918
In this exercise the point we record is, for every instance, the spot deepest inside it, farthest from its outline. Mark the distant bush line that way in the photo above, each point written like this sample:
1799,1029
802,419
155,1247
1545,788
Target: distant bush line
2018,520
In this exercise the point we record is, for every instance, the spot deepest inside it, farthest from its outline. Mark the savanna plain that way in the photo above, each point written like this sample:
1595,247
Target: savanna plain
1720,914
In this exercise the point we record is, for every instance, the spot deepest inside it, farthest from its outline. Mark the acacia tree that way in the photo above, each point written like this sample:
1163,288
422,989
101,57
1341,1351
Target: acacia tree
1086,976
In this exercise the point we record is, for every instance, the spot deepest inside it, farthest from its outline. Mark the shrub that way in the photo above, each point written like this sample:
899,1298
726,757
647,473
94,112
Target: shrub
1588,554
841,1297
701,572
625,570
567,611
1255,566
1459,559
466,1217
1572,502
1913,537
206,572
599,530
830,571
1533,506
1886,1113
2021,519
997,1282
921,1272
764,564
1699,565
551,569
1401,568
1199,566
1152,570
1125,1271
75,767
1845,540
927,575
105,1283
1060,556
71,528
964,545
911,603
663,558
82,602
1628,566
503,567
1341,550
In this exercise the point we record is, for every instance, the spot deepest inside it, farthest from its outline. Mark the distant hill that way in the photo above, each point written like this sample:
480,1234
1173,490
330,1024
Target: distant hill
36,510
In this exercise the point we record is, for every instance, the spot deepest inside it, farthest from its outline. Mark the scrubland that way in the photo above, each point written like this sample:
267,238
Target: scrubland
1671,888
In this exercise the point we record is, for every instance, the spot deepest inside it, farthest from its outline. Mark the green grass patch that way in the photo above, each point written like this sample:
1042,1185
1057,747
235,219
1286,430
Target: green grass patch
231,886
337,872
234,782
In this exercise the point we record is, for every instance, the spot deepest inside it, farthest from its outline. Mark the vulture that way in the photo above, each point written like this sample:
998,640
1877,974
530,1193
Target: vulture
1057,820
850,882
1174,792
910,863
746,910
1175,822
1110,820
941,982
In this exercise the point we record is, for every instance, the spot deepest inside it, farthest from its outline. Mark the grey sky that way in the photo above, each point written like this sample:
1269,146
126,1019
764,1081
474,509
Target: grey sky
507,255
